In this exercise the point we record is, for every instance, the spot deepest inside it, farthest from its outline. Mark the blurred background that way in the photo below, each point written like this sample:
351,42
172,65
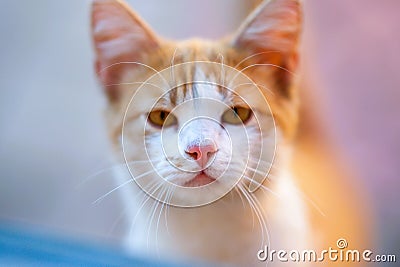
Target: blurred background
54,155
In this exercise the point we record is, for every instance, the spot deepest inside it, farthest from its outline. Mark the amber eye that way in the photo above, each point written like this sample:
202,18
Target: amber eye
236,115
161,118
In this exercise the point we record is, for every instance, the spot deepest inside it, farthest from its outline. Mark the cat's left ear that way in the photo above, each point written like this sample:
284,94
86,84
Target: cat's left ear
272,29
119,36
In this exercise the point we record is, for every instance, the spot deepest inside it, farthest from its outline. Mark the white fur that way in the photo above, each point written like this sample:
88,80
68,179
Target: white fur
220,231
227,230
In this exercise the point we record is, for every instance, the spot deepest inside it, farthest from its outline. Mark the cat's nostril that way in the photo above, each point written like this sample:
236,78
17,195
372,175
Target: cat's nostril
193,155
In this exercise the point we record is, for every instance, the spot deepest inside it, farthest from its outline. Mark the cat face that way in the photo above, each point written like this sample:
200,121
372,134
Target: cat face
201,117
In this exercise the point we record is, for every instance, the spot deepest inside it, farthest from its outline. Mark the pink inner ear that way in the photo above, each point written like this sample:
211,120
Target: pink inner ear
274,26
119,36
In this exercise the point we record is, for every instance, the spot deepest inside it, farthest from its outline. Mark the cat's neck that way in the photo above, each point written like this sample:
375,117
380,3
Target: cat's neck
237,217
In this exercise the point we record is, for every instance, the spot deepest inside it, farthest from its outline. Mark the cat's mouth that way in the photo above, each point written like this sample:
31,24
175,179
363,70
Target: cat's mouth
200,179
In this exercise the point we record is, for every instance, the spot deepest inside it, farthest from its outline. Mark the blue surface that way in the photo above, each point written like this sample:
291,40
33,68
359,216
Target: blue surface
25,248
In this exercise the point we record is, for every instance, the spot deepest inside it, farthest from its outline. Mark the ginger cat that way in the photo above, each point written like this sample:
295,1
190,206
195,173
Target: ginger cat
219,167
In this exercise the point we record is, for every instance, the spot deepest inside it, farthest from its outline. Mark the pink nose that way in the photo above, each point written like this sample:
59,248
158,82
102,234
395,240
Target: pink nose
201,153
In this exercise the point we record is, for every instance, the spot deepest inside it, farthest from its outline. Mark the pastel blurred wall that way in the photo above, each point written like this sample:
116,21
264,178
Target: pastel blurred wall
353,59
52,135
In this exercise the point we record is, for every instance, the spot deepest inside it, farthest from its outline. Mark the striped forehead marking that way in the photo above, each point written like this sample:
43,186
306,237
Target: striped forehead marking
198,84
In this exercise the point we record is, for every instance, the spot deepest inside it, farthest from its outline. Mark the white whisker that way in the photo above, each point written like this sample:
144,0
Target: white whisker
265,174
113,190
172,73
135,63
261,213
256,211
120,165
222,69
165,192
146,198
308,199
121,185
166,213
258,85
262,186
117,220
133,83
240,195
262,65
254,55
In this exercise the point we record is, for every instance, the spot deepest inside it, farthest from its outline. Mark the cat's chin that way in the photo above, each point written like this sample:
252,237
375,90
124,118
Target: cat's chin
201,179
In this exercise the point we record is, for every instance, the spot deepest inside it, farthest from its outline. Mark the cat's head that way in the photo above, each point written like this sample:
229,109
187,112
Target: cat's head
203,115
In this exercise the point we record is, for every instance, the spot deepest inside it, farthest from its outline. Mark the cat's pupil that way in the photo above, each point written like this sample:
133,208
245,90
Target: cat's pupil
236,111
162,115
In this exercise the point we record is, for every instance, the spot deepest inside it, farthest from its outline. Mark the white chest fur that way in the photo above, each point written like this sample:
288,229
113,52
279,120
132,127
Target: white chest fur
227,230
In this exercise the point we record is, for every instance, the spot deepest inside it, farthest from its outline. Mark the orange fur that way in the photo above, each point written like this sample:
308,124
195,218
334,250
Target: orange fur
316,169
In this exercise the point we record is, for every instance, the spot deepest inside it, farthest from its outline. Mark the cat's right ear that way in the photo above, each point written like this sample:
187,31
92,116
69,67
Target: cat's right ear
119,35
